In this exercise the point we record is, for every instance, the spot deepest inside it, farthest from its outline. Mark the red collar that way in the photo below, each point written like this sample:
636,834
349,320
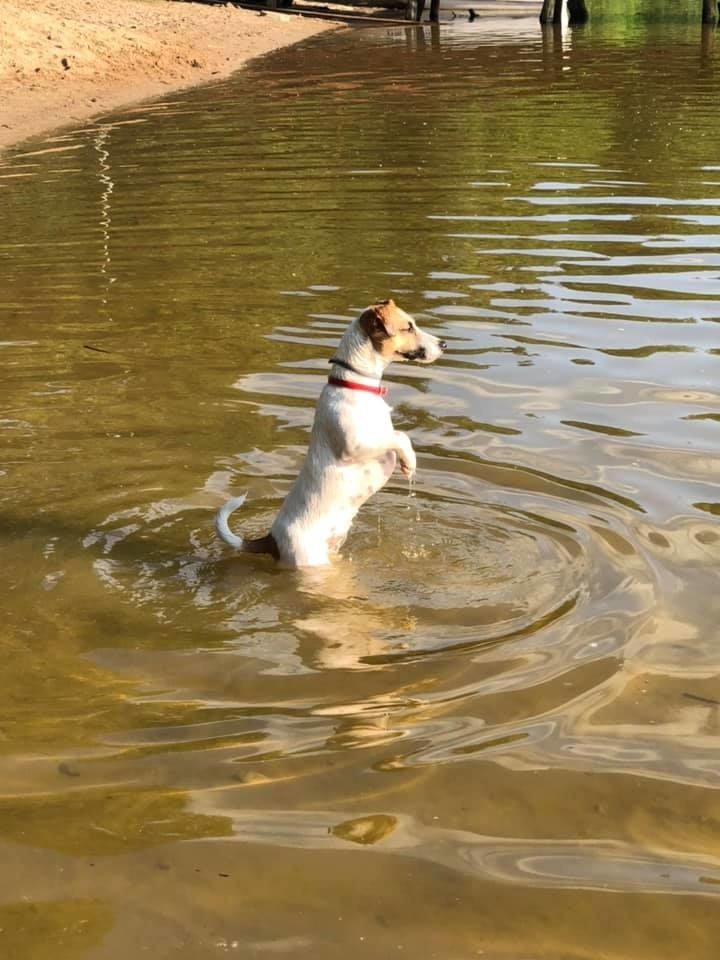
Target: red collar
352,385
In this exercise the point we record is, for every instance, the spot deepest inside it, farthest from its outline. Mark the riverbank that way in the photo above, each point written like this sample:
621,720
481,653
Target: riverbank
63,61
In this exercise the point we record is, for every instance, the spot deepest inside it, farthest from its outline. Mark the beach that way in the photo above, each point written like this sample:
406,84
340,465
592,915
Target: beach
64,61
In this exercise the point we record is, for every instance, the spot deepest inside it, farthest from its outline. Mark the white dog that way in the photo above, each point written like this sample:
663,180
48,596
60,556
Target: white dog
353,446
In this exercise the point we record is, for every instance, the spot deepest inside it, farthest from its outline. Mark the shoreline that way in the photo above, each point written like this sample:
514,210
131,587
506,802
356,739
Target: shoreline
66,61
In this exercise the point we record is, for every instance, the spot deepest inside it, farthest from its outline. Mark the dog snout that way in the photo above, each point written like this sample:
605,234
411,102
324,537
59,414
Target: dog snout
442,344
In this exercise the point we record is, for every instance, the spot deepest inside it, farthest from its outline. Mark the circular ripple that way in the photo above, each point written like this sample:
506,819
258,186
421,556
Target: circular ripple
424,569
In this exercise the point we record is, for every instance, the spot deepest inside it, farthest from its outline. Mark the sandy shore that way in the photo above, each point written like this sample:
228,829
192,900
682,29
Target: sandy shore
63,61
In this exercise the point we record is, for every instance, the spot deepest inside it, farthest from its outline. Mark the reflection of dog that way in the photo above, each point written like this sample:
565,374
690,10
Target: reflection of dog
353,447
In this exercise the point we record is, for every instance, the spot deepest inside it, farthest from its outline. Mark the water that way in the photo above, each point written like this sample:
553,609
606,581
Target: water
492,728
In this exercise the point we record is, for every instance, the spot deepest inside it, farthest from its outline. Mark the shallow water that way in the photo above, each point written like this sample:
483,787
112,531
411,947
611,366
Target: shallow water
491,729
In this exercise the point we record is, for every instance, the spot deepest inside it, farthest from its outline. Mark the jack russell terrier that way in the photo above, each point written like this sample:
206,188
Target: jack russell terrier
353,446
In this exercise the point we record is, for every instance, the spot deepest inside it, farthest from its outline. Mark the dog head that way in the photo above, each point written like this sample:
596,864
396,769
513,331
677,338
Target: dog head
396,336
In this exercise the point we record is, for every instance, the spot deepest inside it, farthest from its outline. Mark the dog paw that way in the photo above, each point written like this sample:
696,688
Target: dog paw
407,469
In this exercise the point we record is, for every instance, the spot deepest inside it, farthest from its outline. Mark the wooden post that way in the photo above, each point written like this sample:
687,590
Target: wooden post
551,11
547,14
578,11
434,11
710,11
414,10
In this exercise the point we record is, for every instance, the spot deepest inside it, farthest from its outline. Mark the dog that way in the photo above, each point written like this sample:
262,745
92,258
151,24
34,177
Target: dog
353,447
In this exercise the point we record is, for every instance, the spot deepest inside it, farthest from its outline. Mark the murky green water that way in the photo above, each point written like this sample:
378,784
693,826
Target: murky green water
492,728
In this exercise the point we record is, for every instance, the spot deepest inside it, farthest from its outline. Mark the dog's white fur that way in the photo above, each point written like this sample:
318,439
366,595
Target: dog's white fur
353,448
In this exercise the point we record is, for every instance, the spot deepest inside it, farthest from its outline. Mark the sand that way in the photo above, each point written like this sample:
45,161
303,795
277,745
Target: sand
63,61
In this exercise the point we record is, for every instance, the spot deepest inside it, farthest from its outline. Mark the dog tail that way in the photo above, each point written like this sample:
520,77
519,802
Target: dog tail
221,522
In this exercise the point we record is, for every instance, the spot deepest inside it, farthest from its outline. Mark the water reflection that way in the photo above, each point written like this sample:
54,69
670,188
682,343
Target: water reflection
586,864
507,690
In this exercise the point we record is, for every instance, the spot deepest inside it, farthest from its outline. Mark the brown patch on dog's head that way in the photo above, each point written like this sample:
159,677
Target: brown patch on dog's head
377,322
390,330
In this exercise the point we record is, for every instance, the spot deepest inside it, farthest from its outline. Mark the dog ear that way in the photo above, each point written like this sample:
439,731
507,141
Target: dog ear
377,320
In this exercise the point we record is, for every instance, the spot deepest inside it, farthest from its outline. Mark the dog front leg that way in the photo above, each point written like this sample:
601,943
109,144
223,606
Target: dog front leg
406,454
